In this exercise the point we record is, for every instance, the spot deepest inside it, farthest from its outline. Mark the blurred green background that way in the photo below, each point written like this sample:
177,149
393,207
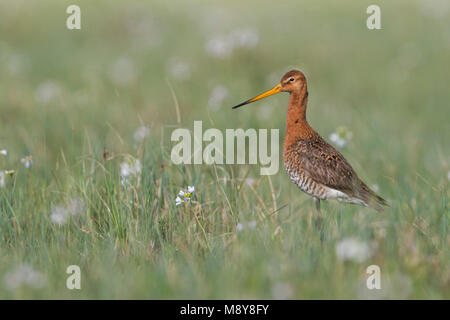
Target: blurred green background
87,103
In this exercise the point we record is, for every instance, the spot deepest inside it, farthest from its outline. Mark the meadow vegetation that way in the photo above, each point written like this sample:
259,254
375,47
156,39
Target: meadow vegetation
94,108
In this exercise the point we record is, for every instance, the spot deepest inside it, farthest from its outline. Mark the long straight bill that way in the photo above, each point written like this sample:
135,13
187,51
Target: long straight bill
275,90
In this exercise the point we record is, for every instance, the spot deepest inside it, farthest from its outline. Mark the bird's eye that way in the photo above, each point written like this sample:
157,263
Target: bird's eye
291,79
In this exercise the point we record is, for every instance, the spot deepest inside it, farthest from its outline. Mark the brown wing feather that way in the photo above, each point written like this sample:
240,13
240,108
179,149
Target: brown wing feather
327,166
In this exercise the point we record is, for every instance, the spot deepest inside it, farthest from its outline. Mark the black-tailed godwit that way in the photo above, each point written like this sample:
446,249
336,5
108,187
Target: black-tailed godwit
313,165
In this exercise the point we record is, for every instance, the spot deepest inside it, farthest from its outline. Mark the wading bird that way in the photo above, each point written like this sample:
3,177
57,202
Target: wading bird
313,165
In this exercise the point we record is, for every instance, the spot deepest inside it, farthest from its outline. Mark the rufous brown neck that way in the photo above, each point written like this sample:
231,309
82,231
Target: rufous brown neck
297,126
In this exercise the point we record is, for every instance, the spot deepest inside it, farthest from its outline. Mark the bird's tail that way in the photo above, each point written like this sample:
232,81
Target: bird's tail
372,199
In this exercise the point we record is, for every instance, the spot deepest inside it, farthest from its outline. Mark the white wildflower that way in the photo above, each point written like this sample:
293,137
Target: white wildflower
341,137
4,152
353,249
124,169
2,179
249,181
245,38
141,133
184,196
222,46
219,47
218,94
24,275
130,169
59,215
47,92
179,69
334,137
27,161
123,72
3,175
246,225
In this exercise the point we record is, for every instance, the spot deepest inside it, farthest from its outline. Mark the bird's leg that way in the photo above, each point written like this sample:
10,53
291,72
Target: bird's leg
317,202
319,213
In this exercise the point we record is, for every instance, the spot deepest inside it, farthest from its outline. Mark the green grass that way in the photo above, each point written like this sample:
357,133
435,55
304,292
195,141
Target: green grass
389,87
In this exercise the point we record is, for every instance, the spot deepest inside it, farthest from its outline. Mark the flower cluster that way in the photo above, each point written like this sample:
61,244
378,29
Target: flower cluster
141,133
353,249
129,170
222,46
341,137
47,92
61,213
250,225
123,72
218,94
27,161
5,173
178,69
184,196
2,179
24,275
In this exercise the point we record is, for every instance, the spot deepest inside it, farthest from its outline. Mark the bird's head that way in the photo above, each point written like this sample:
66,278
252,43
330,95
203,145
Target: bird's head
293,80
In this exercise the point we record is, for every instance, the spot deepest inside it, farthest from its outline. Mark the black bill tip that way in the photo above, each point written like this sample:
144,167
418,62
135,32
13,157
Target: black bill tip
241,104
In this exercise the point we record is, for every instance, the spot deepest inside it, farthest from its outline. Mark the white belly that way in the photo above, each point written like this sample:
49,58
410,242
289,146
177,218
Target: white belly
320,191
333,194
